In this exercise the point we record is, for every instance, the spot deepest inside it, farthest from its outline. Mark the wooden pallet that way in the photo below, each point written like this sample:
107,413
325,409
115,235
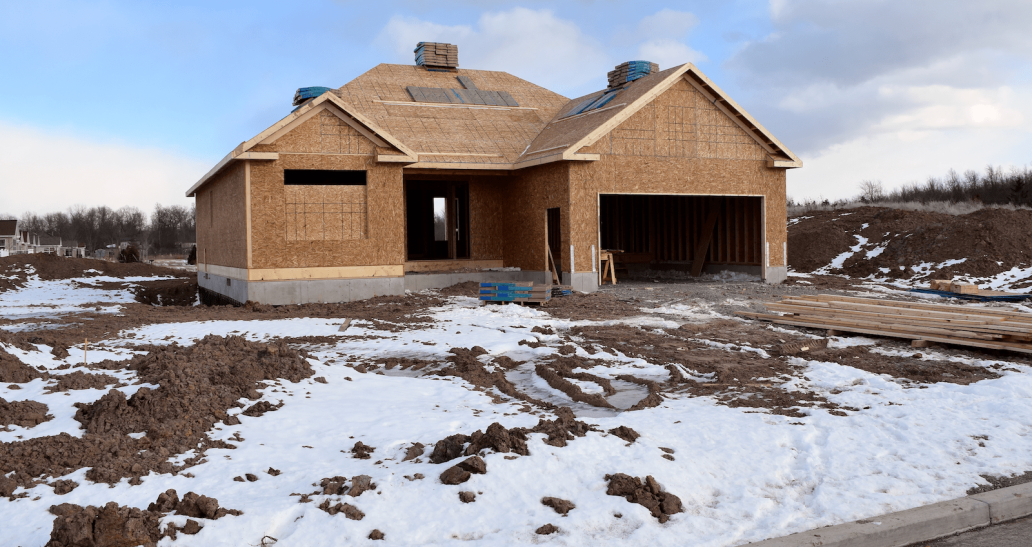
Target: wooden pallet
920,322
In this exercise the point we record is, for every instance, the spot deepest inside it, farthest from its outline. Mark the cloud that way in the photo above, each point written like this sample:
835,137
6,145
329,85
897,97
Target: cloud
667,24
897,83
44,171
668,53
532,44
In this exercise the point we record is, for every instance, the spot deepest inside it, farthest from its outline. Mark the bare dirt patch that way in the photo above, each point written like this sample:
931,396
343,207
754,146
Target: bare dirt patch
50,267
578,306
646,493
197,385
80,380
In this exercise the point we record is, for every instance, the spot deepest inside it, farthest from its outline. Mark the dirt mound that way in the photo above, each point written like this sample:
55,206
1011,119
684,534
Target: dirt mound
197,385
461,472
167,292
12,370
560,506
50,267
469,288
625,433
120,526
80,380
648,494
23,413
991,240
597,305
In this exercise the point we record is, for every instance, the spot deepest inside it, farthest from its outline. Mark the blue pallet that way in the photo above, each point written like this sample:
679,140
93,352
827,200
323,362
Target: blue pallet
977,297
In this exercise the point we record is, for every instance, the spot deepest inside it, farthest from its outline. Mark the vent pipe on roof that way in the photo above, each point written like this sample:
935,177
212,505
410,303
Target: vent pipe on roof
630,71
435,55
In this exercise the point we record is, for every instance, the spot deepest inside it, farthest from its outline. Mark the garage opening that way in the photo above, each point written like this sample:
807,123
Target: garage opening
437,220
691,234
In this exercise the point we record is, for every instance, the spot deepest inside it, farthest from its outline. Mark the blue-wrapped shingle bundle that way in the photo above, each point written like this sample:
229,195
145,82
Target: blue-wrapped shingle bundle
630,71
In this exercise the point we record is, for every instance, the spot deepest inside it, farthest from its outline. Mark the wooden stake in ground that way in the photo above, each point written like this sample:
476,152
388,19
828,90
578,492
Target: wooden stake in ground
85,348
551,261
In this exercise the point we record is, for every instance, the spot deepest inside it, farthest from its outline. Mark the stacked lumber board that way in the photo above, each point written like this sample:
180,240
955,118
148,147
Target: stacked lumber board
515,291
630,71
437,55
942,323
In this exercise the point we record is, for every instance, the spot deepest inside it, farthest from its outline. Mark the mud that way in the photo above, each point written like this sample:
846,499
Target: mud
350,511
120,526
362,451
546,529
996,482
646,493
560,506
556,380
12,370
625,433
461,472
80,380
197,385
22,413
171,292
467,497
469,368
992,241
579,306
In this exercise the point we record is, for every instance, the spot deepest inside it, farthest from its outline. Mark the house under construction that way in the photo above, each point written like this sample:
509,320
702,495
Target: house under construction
419,176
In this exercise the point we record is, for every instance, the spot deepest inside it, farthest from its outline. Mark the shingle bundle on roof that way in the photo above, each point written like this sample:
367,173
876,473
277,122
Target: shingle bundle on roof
437,55
630,71
305,93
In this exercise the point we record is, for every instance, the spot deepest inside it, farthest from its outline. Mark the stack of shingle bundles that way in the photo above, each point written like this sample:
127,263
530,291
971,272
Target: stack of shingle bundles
630,71
437,55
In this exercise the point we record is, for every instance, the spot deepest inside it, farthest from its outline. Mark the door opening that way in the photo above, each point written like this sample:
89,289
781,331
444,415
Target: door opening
555,238
436,220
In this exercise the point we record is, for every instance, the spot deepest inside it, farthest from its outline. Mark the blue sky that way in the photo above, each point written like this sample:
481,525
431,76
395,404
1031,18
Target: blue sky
128,103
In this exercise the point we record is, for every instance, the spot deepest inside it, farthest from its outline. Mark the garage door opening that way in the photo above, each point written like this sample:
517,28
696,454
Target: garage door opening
676,233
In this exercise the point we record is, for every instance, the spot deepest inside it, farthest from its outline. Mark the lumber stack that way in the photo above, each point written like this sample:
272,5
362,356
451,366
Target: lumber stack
437,55
958,287
941,323
515,291
630,71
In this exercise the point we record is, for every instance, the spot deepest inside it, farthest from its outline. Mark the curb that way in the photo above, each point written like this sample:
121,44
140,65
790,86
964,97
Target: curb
919,524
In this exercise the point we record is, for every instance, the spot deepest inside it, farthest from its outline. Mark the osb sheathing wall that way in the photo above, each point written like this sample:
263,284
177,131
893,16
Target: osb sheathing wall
221,219
321,143
529,196
677,144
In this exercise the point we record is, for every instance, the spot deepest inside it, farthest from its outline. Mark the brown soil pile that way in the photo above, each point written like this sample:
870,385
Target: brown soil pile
120,526
197,385
23,413
80,380
911,238
12,370
50,267
565,427
578,306
469,288
167,292
648,494
560,506
462,471
625,433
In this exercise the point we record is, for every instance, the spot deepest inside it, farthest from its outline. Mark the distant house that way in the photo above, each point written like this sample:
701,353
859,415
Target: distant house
72,249
108,252
9,236
50,245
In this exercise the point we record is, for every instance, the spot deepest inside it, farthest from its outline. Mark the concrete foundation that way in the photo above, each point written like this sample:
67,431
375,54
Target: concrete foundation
305,291
583,282
776,274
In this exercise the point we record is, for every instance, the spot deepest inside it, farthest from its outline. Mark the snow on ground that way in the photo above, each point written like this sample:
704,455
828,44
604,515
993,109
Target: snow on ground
742,475
38,298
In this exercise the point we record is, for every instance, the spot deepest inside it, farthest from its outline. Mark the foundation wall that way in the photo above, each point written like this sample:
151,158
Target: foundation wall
678,144
221,219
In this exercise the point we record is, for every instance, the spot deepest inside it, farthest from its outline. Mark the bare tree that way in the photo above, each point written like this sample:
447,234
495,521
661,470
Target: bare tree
871,191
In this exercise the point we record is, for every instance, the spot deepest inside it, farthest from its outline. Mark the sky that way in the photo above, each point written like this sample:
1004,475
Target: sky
129,103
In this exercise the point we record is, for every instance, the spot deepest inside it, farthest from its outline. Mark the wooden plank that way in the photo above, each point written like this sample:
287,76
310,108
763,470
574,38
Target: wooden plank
920,305
1016,332
782,320
704,241
954,311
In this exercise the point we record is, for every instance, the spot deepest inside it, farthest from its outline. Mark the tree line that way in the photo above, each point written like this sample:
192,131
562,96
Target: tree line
992,187
96,227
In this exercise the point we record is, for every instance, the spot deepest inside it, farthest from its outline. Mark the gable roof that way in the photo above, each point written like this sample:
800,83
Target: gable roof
565,135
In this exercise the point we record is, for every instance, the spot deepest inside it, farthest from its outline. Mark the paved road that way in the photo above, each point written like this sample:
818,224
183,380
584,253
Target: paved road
1016,533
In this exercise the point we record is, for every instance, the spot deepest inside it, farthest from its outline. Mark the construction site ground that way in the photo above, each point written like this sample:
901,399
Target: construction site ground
644,413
